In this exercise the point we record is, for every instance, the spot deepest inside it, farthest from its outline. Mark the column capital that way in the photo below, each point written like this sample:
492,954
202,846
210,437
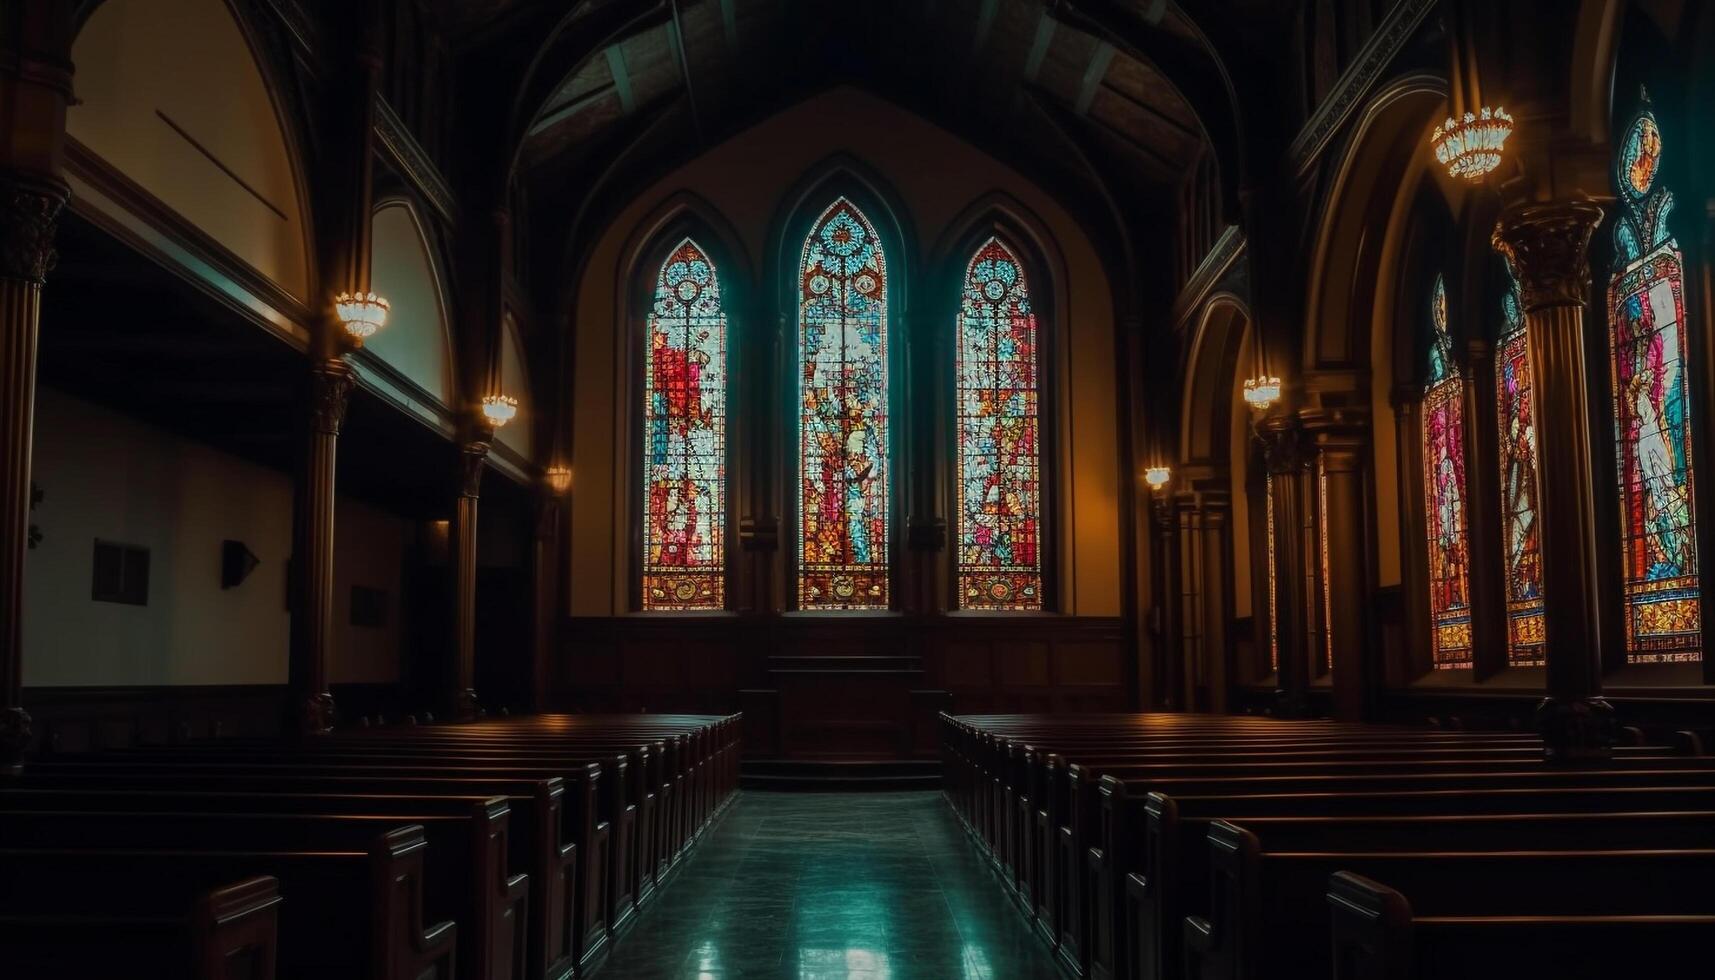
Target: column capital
1549,248
29,213
330,394
1283,444
473,456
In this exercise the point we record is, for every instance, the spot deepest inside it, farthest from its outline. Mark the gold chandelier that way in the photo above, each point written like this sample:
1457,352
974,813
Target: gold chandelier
361,314
499,409
1157,477
1470,147
1261,392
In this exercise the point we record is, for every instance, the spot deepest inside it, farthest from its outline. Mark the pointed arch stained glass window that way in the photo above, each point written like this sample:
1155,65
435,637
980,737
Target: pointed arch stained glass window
843,516
1521,537
1444,492
684,437
1652,411
999,478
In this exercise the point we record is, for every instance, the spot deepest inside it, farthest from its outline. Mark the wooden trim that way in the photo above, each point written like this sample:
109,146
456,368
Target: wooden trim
1209,272
413,162
1354,85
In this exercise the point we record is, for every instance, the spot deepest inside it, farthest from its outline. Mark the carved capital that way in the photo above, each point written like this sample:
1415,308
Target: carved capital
330,394
1576,729
317,715
473,455
1549,248
1283,445
15,734
31,213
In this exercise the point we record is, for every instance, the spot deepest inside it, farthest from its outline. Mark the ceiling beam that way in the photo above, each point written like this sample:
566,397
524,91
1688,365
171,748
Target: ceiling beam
729,21
1100,59
571,107
1172,123
621,78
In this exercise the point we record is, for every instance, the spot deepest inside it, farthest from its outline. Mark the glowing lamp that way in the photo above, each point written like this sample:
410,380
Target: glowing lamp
361,314
1471,147
1157,477
499,409
559,478
1261,392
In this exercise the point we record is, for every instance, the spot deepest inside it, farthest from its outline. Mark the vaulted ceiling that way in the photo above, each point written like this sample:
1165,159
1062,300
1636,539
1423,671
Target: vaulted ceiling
1107,103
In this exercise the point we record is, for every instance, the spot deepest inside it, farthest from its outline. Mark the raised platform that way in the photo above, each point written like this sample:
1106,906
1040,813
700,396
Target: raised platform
839,775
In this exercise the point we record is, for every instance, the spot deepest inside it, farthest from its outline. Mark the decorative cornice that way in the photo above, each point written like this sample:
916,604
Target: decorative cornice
29,213
297,23
1549,248
1356,81
1208,273
413,161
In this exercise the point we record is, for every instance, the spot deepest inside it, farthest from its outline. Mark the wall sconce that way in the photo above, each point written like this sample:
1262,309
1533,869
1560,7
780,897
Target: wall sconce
1157,477
499,409
1261,392
1470,147
559,478
362,314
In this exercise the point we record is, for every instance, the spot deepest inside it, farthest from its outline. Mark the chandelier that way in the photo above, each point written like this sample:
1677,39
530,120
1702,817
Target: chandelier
1471,147
559,478
1261,392
1157,477
361,314
499,409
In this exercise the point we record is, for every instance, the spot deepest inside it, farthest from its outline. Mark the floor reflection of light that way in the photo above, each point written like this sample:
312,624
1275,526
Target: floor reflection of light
976,964
843,964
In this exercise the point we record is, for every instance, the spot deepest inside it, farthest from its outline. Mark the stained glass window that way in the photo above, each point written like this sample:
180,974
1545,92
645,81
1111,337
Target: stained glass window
684,437
1444,492
1521,538
842,414
1000,497
1652,412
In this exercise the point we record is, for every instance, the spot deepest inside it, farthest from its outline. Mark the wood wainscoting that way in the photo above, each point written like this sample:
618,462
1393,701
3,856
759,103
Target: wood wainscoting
833,685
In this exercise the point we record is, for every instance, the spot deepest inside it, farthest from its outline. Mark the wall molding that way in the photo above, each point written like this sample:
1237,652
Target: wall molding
1355,82
1208,274
413,162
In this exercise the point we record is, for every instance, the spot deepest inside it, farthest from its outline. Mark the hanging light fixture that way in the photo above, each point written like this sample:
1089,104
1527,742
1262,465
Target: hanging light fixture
1261,392
1157,477
499,409
362,314
1470,146
559,478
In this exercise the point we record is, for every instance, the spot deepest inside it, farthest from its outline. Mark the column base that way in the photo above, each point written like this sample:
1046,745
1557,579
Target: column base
1576,729
468,708
317,715
15,733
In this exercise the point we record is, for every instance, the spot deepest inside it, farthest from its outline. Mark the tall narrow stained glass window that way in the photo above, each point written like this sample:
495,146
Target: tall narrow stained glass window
1652,411
1444,492
684,437
842,414
999,477
1521,537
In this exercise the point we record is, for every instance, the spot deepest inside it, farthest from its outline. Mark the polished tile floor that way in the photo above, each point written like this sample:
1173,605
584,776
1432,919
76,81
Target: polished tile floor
832,886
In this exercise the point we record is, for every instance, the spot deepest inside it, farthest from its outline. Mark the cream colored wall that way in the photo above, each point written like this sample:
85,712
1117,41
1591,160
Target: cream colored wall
107,476
369,550
515,381
415,341
937,176
145,67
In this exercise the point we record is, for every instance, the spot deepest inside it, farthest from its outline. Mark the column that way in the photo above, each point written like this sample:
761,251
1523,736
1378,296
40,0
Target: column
330,392
1486,565
1188,611
1207,590
473,457
545,579
1548,245
1340,439
35,85
1163,667
1284,456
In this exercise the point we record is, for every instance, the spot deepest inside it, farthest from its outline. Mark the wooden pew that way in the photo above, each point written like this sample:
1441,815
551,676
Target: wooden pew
346,913
1375,935
229,932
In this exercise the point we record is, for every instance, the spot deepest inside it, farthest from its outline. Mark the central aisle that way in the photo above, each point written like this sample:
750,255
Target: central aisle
832,886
